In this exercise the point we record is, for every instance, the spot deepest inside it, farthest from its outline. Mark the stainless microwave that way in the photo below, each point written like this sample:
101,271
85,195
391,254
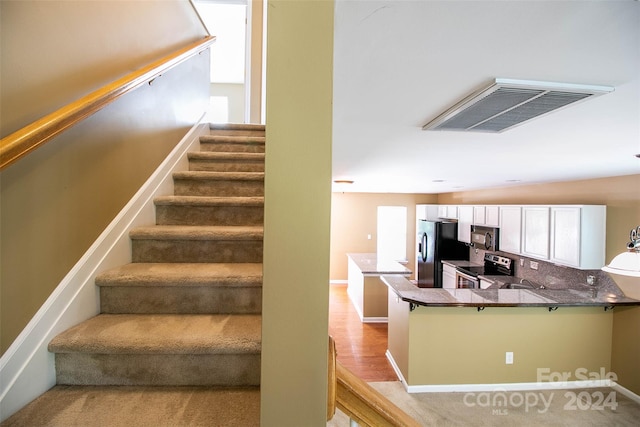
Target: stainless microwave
485,238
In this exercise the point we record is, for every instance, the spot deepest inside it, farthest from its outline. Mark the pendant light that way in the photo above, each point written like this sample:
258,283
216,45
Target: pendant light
627,263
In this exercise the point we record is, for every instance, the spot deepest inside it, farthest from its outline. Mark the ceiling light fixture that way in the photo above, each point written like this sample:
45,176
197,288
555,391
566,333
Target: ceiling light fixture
507,103
343,181
627,263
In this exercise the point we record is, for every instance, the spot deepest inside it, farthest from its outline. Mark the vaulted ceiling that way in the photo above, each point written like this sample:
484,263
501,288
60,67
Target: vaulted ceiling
399,64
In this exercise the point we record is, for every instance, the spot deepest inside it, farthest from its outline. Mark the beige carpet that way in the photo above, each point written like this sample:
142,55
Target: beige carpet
450,409
71,406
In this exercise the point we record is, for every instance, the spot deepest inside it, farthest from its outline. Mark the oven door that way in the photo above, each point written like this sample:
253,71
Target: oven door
466,281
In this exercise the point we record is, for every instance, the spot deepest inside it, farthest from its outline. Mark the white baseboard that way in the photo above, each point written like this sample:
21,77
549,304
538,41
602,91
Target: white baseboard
27,368
395,367
457,388
625,391
501,387
374,319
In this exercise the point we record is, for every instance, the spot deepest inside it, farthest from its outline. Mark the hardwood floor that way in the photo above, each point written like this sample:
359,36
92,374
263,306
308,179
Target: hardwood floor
360,346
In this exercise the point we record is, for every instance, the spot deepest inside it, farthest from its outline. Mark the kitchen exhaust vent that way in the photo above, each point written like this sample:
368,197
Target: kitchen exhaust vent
508,103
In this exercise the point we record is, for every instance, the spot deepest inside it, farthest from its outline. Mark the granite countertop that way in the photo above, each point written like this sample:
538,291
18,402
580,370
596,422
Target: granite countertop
369,264
496,297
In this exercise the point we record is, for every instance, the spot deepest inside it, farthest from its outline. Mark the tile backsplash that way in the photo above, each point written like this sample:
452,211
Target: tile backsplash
554,276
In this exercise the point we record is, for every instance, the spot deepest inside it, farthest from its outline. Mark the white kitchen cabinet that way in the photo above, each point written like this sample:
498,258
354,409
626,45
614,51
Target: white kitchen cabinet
421,212
448,211
479,215
488,216
510,229
465,220
428,212
448,276
492,216
535,231
577,236
452,212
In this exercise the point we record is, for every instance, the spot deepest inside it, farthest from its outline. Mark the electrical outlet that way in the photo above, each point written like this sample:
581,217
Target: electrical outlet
533,265
368,236
509,358
521,263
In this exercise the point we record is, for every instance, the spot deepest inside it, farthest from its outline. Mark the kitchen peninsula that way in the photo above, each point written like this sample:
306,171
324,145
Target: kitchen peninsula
365,289
483,339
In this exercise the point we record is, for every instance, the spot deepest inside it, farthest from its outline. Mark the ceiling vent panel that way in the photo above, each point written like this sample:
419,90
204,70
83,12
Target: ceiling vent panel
508,103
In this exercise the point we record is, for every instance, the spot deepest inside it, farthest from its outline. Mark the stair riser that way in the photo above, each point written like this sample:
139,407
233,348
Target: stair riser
226,147
158,369
221,132
209,215
196,250
180,300
218,188
225,166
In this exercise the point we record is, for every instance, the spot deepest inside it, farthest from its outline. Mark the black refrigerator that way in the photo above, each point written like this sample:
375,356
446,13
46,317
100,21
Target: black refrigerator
437,241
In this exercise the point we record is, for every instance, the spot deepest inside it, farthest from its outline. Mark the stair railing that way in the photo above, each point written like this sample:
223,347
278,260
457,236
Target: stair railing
32,136
364,405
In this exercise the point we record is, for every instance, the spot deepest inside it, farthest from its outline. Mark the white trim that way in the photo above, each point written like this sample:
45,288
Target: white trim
626,392
338,282
452,388
27,368
395,367
375,320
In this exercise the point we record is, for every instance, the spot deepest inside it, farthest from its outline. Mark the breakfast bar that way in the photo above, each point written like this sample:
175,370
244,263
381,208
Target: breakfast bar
488,339
495,296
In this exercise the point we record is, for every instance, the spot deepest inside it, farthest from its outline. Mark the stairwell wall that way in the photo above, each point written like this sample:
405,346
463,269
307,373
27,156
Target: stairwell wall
57,200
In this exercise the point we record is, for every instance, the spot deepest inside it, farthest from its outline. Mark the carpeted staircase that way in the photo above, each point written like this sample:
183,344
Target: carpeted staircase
178,339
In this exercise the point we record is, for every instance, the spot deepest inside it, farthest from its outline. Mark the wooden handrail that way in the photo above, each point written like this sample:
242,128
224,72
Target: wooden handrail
331,399
27,139
361,402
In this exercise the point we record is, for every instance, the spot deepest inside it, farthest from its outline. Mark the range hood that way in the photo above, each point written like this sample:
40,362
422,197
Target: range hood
506,103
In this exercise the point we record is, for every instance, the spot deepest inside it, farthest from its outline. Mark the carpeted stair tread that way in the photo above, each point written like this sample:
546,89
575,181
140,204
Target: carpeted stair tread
237,126
162,334
158,406
185,274
208,201
197,232
219,176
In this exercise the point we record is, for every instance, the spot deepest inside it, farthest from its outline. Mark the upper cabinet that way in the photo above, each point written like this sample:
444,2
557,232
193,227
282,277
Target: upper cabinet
488,216
535,231
571,235
568,235
428,212
465,221
510,229
448,211
577,236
